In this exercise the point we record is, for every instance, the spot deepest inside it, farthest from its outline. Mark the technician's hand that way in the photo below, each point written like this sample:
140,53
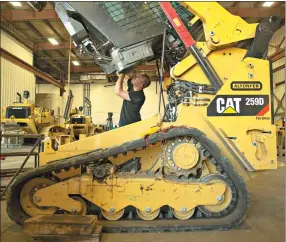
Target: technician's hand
121,75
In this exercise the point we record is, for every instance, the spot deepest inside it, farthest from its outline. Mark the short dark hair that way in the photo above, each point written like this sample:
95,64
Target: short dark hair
146,80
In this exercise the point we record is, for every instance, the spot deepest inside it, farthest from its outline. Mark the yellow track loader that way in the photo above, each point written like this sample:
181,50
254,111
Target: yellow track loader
32,119
79,125
185,169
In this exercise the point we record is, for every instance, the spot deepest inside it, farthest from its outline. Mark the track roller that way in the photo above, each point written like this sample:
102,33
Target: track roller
29,203
148,214
183,214
226,200
112,215
83,210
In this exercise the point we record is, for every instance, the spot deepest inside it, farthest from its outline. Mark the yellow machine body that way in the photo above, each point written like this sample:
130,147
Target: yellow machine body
177,172
39,121
254,144
81,126
251,129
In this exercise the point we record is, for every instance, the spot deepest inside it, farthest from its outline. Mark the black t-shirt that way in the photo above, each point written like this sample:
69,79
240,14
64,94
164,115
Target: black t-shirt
130,111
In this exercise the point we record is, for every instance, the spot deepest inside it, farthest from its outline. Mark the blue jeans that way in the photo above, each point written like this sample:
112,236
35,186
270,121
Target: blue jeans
121,123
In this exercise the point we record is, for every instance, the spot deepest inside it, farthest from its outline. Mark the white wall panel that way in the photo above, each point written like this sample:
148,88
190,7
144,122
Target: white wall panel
77,91
278,63
104,100
14,78
42,91
47,88
14,47
276,40
52,101
279,76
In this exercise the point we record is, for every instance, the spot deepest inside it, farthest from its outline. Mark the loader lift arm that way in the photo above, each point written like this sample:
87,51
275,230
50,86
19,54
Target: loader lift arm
189,42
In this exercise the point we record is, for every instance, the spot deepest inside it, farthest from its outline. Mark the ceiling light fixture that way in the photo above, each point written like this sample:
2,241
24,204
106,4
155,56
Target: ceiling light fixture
16,4
267,4
75,63
53,41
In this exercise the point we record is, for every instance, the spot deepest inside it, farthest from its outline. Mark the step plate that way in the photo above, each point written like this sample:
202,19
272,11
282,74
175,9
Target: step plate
62,225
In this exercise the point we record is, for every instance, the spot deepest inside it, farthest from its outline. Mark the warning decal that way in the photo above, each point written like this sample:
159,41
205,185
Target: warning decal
239,105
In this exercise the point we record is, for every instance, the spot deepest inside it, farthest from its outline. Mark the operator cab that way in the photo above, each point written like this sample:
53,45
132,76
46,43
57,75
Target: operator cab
19,112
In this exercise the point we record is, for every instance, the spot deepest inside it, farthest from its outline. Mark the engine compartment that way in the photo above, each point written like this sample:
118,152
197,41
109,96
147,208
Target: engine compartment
121,35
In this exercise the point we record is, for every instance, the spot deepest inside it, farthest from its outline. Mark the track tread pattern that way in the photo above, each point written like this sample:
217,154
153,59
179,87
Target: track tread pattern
233,219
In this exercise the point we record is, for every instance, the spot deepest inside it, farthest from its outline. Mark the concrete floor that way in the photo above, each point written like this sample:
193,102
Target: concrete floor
266,219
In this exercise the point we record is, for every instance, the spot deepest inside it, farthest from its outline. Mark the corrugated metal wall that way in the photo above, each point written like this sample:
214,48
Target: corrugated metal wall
279,76
14,78
14,47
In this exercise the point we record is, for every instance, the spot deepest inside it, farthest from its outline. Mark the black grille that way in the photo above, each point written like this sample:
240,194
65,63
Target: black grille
133,15
143,15
76,120
18,112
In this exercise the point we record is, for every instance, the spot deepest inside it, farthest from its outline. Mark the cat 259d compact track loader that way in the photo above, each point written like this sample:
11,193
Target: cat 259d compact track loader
182,171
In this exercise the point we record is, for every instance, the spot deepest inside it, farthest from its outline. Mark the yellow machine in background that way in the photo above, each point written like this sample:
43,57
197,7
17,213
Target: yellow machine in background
81,126
32,119
187,167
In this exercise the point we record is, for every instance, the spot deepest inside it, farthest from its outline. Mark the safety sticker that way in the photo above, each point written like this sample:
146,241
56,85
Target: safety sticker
239,105
246,86
177,22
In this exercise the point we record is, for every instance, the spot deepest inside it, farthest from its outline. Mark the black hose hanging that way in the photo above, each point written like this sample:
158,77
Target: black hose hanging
162,73
159,76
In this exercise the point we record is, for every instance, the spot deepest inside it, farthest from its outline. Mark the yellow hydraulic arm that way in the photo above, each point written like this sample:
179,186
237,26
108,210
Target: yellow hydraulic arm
220,27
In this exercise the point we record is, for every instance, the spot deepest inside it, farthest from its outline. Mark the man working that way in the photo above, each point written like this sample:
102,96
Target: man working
133,98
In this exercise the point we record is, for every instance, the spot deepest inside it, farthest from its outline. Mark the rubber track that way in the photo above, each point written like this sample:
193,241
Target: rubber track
234,218
11,172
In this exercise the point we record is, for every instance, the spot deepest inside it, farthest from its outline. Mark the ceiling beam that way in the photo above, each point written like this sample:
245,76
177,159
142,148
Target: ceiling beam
10,29
56,33
62,39
38,33
258,12
49,46
54,30
30,15
82,69
258,4
278,68
277,55
60,59
88,69
17,61
279,83
235,4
